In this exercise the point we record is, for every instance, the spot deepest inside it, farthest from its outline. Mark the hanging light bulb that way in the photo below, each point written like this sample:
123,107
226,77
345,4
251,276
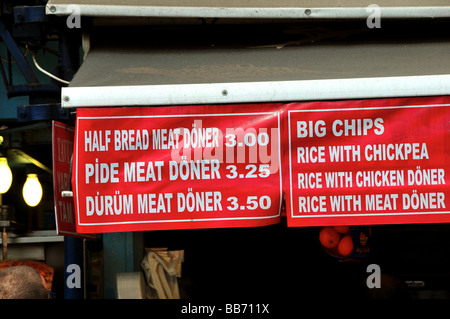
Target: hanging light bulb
32,190
5,175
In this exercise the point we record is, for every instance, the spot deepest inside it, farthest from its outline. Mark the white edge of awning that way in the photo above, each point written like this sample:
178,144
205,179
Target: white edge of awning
263,13
256,92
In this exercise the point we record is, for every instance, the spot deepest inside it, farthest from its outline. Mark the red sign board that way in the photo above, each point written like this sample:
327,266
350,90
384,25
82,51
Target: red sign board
177,167
62,153
368,162
358,162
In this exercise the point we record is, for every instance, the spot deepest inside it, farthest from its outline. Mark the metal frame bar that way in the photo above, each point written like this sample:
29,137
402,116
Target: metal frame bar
21,62
254,92
243,12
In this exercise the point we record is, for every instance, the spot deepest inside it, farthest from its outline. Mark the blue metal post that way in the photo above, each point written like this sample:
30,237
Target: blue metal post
122,252
21,62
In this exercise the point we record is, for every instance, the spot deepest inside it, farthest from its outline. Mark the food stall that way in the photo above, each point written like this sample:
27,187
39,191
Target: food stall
197,123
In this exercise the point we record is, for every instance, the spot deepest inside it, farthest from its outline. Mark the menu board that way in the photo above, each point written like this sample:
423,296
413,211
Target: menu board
177,167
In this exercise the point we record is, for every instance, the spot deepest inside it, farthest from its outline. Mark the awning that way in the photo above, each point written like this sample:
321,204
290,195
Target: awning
362,66
288,9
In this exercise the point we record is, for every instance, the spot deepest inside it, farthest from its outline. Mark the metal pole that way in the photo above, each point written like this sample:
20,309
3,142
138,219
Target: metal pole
74,268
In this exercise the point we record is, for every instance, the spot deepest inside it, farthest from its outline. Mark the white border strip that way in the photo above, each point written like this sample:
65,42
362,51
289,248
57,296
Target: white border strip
254,92
234,12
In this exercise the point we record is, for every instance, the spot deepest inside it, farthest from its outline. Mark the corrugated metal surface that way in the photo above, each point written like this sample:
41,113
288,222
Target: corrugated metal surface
256,3
168,56
169,66
113,66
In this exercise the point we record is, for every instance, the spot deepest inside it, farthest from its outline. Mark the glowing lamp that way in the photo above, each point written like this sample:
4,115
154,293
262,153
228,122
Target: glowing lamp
32,190
5,175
